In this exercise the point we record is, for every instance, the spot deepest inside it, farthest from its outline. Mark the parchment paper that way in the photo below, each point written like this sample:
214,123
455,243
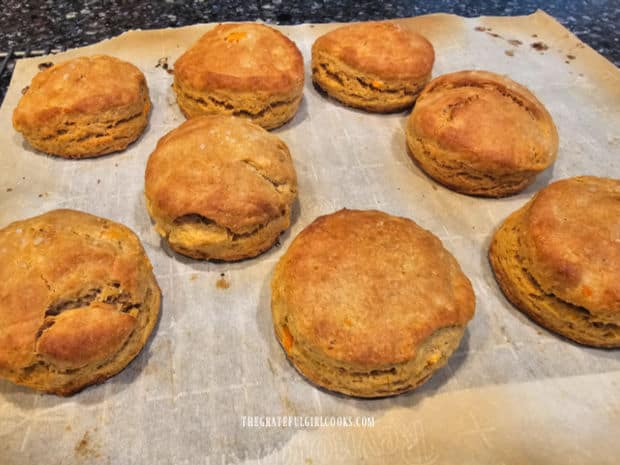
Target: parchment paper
512,394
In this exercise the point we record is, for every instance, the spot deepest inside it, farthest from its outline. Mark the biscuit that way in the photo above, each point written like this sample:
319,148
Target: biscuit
479,133
220,187
85,107
369,304
79,300
376,66
557,259
247,70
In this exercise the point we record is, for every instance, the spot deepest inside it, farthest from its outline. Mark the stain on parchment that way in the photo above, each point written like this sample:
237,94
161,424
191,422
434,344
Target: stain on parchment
540,46
513,42
510,53
86,448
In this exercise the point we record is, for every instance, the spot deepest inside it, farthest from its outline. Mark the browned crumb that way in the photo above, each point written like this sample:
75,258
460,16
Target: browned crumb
540,46
510,53
534,35
493,34
515,42
222,283
162,63
481,29
98,181
571,57
25,89
9,189
47,64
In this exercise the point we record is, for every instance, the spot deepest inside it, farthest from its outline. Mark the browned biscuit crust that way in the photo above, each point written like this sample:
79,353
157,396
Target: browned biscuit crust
247,70
78,300
369,304
558,259
479,133
220,187
376,66
85,107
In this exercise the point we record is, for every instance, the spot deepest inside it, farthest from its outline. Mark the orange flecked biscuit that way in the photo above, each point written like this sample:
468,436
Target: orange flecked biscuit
557,259
247,70
220,187
84,107
369,304
79,300
376,66
480,133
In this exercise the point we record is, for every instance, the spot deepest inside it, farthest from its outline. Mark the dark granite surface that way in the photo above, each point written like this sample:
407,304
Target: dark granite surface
36,25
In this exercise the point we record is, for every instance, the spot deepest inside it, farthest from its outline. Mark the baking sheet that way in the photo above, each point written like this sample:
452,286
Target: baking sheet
512,394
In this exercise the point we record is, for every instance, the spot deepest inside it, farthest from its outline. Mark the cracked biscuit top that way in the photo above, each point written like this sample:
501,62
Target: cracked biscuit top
486,120
223,169
77,300
244,57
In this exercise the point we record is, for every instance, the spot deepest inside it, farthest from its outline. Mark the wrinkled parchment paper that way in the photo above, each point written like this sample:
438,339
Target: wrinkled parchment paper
512,394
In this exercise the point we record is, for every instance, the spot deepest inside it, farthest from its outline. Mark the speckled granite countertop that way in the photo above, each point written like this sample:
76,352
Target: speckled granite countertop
64,24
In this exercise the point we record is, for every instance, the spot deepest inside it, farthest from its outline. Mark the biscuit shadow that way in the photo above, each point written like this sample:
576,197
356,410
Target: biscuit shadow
402,154
300,116
542,180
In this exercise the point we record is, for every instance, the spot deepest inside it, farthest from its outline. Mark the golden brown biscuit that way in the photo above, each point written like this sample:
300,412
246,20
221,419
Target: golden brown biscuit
220,187
557,259
479,133
85,107
369,304
247,70
376,66
78,300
